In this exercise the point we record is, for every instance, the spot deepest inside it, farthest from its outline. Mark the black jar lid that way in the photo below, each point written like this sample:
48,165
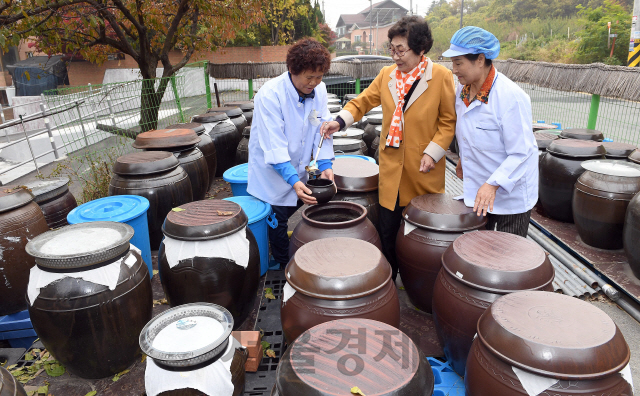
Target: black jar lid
346,144
204,220
202,328
210,117
635,156
618,150
12,197
575,148
246,132
145,163
582,134
80,245
544,139
244,105
334,108
166,139
440,212
231,111
375,110
375,119
45,189
195,126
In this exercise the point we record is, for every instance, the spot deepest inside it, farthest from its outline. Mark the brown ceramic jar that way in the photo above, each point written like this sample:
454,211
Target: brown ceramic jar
357,181
89,328
631,235
549,335
246,106
373,121
235,115
205,145
618,151
214,280
349,146
21,220
157,176
430,224
333,219
559,170
337,278
375,147
225,137
600,200
582,134
331,358
54,198
242,152
9,386
478,268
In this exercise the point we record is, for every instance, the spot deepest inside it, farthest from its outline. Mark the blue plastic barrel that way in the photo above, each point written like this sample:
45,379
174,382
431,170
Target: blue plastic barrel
238,177
128,209
364,157
260,217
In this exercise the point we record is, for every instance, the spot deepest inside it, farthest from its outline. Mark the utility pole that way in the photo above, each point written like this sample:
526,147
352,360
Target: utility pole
462,11
634,44
370,27
411,7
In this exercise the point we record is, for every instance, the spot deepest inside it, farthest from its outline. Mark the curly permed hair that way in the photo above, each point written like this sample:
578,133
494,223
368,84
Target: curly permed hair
417,32
308,54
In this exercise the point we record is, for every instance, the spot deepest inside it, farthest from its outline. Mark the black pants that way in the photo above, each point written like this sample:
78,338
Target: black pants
278,238
517,224
389,226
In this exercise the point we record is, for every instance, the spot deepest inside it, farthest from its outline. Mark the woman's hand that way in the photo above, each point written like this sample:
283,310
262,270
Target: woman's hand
459,170
304,193
427,163
484,199
327,174
329,128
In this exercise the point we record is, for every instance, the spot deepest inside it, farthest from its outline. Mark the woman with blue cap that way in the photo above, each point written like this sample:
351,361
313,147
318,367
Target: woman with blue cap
498,152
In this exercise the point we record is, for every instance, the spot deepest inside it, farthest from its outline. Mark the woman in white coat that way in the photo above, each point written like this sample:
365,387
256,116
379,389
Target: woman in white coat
288,112
498,152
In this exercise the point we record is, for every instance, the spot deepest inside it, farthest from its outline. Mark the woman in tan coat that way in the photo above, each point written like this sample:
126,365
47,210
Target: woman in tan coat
419,118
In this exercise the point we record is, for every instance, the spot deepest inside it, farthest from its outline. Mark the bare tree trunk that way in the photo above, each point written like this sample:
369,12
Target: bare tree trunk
150,97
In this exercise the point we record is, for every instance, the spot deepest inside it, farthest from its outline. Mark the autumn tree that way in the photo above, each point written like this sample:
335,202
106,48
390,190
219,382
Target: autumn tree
146,30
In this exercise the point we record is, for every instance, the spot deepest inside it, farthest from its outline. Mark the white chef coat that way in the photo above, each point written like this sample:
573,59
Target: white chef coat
497,146
281,131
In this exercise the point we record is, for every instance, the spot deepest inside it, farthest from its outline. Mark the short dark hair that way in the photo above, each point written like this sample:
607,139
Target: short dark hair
308,54
417,32
474,57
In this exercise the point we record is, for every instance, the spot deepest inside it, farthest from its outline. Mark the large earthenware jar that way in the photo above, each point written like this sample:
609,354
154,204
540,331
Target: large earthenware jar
21,220
190,347
246,106
478,268
375,149
357,182
559,170
90,318
373,121
157,176
9,386
182,143
242,152
205,145
235,115
225,137
349,146
352,133
600,200
544,139
569,345
333,219
54,198
317,363
210,255
430,224
582,134
618,151
337,278
631,235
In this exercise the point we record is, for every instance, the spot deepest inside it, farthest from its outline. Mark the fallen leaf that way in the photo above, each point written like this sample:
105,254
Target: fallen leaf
401,288
54,369
356,391
155,272
270,353
268,293
120,374
160,302
265,347
144,357
177,210
43,389
28,356
221,213
92,393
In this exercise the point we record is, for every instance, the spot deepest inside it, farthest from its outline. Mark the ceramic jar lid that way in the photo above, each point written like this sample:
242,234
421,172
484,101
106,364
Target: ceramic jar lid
338,269
582,134
80,245
12,197
356,175
440,212
197,127
618,150
46,189
612,168
230,111
331,95
204,220
166,138
244,105
553,335
187,335
574,148
334,108
541,126
246,132
497,262
333,101
375,110
210,117
346,144
145,163
389,360
375,119
635,156
544,139
352,133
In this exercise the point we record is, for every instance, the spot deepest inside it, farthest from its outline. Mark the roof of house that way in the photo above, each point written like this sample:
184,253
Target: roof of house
381,3
388,12
350,19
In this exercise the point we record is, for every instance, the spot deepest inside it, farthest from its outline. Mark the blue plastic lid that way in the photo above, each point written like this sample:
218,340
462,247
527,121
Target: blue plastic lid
364,157
237,174
254,208
119,208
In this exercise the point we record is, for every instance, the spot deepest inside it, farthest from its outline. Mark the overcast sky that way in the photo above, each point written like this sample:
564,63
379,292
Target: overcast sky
333,8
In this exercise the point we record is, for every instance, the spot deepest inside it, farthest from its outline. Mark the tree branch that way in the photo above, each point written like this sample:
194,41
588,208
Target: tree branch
53,6
169,41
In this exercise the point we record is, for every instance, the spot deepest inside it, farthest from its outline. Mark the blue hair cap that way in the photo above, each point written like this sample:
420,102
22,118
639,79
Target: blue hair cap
473,40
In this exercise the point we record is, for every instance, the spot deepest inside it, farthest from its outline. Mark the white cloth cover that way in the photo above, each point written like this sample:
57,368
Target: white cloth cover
208,126
287,292
106,276
233,247
408,227
213,380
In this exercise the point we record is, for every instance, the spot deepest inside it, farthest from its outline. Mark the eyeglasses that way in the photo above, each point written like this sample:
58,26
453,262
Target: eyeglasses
393,51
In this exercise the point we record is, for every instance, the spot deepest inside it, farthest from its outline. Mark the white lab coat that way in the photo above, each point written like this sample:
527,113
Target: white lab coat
497,146
282,131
